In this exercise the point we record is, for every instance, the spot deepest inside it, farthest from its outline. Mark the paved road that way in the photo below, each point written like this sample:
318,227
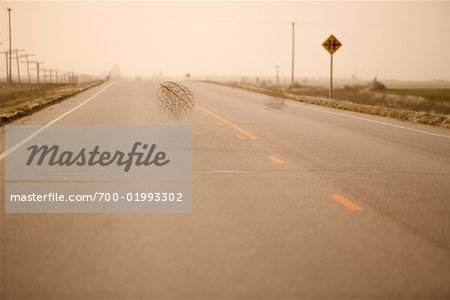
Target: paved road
304,202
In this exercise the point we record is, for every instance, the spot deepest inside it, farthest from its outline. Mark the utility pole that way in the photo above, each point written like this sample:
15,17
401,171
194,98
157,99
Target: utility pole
18,66
38,66
7,68
293,51
37,70
17,61
10,52
56,76
28,64
73,78
277,67
51,79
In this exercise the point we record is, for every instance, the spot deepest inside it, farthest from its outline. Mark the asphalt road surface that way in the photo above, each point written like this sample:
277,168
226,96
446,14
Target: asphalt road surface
303,202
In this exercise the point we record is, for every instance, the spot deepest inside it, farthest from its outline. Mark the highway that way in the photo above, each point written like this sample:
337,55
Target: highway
301,202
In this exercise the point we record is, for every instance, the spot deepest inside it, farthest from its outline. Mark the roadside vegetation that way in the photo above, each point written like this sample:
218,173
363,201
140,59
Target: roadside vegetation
427,106
18,100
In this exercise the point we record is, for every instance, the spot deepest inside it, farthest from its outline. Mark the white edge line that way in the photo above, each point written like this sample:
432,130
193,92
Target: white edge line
370,120
34,134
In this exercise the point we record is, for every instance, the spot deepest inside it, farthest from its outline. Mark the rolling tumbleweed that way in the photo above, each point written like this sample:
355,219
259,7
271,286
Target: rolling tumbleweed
276,99
175,99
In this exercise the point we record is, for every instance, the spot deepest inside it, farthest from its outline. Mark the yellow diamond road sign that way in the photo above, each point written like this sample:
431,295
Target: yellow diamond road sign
332,44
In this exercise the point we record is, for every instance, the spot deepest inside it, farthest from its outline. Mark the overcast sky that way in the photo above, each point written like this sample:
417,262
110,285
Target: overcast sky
397,40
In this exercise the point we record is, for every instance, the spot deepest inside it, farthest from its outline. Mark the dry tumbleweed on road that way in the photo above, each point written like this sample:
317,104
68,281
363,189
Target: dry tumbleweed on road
175,99
276,98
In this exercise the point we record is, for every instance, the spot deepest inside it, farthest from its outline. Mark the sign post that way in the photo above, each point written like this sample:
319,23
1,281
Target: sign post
331,45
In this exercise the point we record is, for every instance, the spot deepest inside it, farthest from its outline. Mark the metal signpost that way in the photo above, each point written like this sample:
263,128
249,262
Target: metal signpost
331,45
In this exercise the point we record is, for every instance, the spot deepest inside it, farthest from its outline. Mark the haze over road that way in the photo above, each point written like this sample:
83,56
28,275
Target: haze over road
305,202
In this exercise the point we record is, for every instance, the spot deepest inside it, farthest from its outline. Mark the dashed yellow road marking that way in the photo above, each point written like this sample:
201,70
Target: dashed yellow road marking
275,159
229,123
346,202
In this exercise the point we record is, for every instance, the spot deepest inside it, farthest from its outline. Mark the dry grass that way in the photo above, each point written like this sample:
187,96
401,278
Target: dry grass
363,99
19,100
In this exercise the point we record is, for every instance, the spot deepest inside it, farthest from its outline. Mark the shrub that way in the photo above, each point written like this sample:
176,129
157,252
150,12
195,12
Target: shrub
375,85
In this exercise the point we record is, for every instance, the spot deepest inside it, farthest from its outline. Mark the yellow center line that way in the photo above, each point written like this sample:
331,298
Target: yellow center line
229,123
346,202
276,159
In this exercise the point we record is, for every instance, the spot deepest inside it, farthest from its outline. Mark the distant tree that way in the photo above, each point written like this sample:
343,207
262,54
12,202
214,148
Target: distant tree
115,72
375,85
295,85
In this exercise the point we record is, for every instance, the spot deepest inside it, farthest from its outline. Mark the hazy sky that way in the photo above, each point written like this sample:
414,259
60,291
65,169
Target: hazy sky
398,40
